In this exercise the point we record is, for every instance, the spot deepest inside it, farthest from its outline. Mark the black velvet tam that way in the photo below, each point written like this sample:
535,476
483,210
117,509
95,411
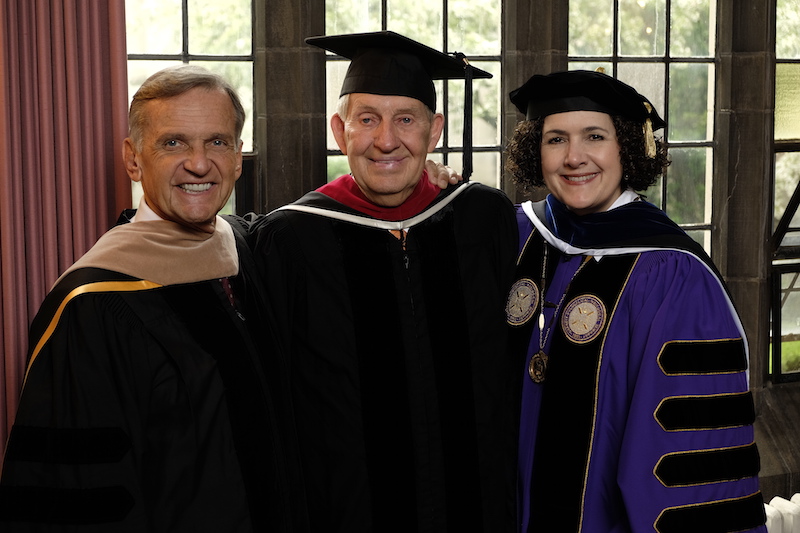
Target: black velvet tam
582,90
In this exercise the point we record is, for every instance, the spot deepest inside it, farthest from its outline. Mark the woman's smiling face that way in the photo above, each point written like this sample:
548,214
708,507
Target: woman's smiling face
581,161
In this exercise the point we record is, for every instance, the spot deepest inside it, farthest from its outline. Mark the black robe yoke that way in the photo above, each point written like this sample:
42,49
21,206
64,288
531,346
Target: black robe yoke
145,408
405,399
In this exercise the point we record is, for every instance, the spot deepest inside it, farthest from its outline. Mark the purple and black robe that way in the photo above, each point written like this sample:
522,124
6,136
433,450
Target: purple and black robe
640,418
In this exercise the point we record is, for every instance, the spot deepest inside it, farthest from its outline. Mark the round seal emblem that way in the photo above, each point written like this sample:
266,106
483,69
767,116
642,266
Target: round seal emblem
522,301
537,366
583,318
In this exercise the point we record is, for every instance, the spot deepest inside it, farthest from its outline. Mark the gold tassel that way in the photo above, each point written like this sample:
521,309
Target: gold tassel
649,138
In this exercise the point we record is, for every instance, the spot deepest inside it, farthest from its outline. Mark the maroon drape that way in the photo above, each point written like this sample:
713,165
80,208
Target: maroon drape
63,116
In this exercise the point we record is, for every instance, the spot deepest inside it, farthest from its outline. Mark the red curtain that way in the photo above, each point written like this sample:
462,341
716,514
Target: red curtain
63,116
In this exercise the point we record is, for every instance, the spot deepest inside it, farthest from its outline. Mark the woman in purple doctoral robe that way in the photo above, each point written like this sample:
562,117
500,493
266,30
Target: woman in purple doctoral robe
636,414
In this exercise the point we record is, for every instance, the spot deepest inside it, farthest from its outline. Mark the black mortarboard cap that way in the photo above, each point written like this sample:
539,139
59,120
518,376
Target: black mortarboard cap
391,64
388,63
582,90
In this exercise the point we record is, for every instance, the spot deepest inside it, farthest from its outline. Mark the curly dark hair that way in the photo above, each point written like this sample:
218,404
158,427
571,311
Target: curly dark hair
523,155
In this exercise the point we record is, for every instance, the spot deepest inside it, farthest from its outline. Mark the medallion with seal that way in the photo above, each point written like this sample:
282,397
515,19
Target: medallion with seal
523,299
584,318
537,366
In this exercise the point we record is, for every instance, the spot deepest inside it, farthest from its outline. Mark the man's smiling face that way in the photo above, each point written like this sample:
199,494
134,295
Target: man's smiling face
189,158
387,140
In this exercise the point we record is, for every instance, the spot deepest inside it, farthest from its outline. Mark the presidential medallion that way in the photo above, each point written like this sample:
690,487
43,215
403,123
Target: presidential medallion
584,318
522,301
538,366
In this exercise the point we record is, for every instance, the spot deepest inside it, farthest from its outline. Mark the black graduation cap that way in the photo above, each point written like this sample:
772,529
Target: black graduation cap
584,90
391,64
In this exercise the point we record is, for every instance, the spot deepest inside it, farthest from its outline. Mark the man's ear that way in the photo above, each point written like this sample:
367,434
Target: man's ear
437,125
238,168
337,127
129,156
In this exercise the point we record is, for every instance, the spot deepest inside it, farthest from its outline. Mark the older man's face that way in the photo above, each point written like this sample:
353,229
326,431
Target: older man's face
387,140
190,156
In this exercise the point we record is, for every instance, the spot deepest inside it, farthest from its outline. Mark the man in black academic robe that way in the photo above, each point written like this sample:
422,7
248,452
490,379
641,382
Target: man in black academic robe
145,405
392,295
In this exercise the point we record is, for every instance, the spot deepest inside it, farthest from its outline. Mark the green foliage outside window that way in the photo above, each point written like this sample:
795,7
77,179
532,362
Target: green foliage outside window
214,29
643,28
787,29
787,174
787,105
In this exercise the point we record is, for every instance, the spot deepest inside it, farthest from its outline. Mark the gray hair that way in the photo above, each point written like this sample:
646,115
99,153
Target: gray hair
343,106
174,81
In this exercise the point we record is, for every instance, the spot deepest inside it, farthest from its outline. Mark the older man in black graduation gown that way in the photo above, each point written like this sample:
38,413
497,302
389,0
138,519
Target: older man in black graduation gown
392,294
145,406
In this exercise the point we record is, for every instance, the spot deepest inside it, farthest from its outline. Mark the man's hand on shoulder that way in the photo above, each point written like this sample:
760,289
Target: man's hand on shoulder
441,175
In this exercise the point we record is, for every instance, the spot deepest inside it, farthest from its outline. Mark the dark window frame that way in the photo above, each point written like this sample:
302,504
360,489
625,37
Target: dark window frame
243,200
782,252
667,60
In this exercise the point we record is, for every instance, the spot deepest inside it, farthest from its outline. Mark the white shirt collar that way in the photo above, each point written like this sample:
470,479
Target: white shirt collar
627,196
144,212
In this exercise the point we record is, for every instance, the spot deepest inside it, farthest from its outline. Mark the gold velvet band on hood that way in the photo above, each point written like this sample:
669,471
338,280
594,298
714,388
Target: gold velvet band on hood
165,252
